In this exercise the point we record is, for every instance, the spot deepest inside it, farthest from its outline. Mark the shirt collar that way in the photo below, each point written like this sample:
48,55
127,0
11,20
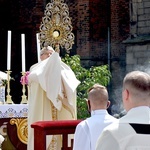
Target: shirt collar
98,112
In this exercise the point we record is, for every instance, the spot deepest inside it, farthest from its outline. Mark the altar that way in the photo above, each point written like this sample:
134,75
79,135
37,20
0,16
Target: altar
13,126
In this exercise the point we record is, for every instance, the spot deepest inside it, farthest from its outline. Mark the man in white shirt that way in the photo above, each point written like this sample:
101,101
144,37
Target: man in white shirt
88,131
132,132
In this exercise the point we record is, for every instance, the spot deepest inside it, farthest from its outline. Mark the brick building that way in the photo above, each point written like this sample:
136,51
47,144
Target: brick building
101,29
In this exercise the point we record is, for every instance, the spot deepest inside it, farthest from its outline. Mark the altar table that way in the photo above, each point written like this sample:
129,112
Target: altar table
13,126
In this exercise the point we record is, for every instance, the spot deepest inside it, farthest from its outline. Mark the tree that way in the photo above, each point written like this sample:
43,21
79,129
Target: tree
87,77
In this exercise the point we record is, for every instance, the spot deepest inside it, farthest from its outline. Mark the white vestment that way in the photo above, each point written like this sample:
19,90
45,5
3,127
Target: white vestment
122,136
52,96
3,76
88,131
1,140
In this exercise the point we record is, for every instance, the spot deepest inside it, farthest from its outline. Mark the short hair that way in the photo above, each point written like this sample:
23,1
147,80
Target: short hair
46,50
98,94
138,85
138,80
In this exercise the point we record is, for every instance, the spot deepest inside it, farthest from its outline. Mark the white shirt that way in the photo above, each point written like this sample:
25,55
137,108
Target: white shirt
88,131
122,136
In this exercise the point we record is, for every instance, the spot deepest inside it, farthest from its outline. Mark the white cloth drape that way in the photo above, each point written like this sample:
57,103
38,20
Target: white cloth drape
51,83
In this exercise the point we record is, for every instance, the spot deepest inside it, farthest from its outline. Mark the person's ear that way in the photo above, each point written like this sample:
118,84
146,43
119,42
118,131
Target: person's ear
108,104
88,105
126,94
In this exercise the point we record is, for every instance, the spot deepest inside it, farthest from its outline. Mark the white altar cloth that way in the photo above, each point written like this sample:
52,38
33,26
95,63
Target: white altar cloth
13,110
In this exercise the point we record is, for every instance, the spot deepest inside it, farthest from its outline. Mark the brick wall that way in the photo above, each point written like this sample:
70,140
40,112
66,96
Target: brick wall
119,32
90,20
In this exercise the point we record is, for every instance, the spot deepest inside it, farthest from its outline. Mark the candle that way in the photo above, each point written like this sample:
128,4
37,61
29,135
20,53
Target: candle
8,50
38,46
23,51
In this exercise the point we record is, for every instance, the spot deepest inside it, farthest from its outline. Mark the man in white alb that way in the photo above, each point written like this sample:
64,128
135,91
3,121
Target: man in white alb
88,131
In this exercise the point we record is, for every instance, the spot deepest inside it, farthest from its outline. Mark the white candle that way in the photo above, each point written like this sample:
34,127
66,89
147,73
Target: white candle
23,51
8,50
38,47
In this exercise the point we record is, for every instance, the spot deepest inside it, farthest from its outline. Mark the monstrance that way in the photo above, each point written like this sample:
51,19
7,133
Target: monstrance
56,28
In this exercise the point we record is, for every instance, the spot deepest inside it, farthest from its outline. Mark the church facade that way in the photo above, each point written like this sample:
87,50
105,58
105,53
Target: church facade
113,32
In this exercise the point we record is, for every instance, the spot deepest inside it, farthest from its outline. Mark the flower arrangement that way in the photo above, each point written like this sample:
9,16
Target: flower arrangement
24,78
3,82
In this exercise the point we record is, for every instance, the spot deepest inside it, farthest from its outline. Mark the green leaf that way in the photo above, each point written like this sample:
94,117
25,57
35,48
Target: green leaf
87,77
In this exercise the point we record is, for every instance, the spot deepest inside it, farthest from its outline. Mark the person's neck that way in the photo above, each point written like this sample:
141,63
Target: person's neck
98,108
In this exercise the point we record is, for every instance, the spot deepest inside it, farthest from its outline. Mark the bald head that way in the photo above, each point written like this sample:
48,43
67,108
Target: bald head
98,96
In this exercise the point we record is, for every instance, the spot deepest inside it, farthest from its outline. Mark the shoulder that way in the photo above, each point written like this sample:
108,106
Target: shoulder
114,134
118,130
82,129
112,127
82,123
33,66
111,117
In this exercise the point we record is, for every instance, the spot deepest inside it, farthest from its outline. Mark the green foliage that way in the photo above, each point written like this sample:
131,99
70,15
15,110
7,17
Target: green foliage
87,77
3,82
